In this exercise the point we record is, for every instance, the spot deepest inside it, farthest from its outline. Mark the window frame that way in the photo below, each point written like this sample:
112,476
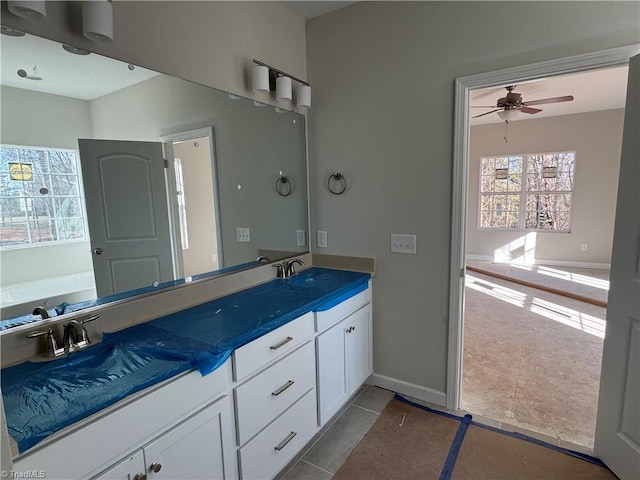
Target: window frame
81,196
524,193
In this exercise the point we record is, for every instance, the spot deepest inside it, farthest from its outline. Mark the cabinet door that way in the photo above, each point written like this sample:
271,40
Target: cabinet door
195,449
358,347
131,468
332,376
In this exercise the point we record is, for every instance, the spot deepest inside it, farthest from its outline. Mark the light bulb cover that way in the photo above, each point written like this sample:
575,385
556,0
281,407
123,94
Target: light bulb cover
304,95
283,88
260,78
509,115
97,20
28,8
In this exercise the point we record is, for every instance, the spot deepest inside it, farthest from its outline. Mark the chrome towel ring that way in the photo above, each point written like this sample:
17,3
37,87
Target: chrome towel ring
337,183
283,186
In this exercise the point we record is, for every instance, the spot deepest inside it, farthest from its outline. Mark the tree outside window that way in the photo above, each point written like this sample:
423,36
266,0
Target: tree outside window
527,192
40,196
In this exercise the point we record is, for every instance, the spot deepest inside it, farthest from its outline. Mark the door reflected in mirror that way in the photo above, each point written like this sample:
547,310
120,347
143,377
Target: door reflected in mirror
87,212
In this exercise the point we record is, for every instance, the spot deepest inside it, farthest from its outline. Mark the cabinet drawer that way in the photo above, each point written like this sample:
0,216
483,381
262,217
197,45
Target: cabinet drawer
274,447
270,393
273,345
332,316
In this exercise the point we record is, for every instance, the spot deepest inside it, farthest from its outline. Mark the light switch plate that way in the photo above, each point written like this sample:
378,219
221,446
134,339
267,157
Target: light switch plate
321,238
301,238
243,234
403,244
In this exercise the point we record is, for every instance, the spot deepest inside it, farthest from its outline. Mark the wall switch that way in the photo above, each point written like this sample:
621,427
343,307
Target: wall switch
403,244
301,238
584,247
243,234
321,238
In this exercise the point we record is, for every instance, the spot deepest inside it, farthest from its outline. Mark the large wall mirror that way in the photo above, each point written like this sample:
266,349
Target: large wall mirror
116,180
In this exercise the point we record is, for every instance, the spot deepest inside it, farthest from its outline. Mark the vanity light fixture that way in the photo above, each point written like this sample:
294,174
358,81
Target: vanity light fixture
97,20
266,78
28,8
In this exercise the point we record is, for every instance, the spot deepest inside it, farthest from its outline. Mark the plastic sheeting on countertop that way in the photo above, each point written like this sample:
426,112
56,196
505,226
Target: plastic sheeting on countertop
42,398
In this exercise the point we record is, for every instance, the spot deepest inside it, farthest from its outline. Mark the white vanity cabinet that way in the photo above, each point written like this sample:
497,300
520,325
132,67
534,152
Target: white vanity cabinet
276,405
192,450
344,352
184,424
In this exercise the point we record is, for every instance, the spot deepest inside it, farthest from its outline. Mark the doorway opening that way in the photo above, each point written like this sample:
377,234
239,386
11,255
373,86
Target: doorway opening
464,86
193,198
540,209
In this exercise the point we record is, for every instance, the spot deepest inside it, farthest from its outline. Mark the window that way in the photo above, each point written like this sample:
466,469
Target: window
527,192
40,196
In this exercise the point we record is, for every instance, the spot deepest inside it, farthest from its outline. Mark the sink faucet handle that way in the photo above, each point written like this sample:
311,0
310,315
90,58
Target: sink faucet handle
280,272
51,345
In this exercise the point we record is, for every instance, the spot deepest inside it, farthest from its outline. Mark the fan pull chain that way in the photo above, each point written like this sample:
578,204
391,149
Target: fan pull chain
506,131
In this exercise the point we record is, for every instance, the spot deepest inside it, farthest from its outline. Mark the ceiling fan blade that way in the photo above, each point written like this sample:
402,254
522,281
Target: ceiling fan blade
529,110
567,98
483,106
487,113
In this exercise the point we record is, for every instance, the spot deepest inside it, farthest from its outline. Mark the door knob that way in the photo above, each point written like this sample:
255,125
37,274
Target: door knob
155,467
97,251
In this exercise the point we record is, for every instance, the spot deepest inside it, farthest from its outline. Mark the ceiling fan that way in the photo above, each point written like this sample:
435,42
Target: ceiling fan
509,107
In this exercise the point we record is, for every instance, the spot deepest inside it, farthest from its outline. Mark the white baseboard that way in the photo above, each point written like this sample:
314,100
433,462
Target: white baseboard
410,389
552,263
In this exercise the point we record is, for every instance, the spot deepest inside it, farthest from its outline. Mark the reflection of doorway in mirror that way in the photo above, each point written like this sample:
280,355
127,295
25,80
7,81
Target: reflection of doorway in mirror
194,204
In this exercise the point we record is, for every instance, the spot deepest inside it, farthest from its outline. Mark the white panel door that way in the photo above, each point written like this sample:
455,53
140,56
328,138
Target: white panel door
127,213
617,440
131,468
358,340
332,375
193,450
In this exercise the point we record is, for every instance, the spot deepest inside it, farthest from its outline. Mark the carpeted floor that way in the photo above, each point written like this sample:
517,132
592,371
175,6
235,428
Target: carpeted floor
532,358
413,442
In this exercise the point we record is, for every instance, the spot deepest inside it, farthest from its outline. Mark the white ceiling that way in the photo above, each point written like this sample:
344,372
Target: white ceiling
313,8
93,75
592,91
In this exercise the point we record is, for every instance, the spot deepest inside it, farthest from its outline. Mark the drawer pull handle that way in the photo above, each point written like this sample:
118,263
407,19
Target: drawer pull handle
284,442
155,467
282,388
140,476
280,344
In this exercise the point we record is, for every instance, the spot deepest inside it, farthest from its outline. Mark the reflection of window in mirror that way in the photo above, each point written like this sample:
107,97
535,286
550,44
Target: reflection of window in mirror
40,196
42,219
181,199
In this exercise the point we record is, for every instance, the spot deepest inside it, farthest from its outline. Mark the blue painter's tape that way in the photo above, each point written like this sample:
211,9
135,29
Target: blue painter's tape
454,451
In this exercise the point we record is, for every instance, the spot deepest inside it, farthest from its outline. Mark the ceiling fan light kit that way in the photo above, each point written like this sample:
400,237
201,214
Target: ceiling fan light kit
510,106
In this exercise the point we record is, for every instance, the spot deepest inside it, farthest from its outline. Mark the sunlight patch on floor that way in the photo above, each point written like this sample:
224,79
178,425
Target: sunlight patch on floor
574,277
497,291
569,316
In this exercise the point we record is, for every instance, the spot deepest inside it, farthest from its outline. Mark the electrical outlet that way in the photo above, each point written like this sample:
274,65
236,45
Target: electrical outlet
403,244
243,235
321,238
301,238
584,247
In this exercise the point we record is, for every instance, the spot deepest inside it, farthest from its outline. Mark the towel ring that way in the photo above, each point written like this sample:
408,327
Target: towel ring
283,186
336,183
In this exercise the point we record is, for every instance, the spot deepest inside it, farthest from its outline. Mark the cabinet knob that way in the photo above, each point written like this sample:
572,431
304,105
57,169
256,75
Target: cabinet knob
155,467
140,476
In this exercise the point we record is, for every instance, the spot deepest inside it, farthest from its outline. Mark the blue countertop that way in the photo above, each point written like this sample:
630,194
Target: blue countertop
41,398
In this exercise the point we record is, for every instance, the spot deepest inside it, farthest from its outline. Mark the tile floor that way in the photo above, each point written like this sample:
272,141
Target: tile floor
532,361
332,445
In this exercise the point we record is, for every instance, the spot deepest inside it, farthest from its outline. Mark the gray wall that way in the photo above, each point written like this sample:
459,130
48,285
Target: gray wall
383,76
43,120
597,140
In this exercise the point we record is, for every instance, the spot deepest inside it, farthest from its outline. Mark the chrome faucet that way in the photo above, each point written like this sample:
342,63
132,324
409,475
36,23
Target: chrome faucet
290,267
263,259
75,334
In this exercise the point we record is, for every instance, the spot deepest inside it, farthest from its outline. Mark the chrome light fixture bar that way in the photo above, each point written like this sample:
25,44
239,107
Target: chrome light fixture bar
267,78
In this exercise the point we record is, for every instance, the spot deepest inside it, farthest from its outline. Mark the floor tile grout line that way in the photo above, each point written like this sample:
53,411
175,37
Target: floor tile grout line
316,466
